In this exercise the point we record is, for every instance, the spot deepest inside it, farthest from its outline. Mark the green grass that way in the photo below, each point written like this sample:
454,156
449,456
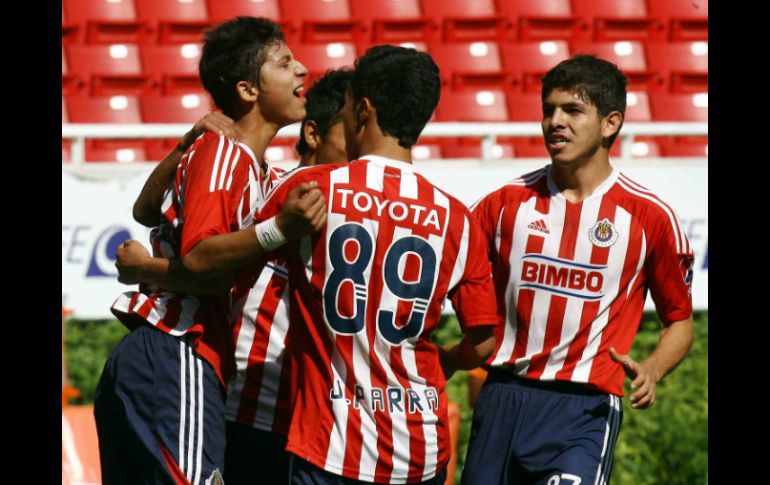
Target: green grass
666,444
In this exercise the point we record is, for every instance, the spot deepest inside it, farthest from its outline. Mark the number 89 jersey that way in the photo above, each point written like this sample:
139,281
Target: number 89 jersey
366,293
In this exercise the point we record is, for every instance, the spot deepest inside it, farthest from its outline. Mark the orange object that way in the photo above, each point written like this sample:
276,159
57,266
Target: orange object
476,379
79,447
454,437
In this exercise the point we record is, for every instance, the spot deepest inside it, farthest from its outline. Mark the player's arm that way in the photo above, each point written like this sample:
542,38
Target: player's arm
218,257
673,346
473,350
135,265
148,204
476,305
302,214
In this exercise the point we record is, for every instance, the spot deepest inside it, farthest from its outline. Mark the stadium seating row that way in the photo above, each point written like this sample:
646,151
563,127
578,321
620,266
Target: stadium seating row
362,21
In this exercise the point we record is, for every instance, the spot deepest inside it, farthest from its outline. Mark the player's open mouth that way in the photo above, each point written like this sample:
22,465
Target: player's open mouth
300,92
557,142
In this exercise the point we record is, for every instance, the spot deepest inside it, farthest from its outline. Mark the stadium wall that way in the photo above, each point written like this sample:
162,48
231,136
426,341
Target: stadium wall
96,218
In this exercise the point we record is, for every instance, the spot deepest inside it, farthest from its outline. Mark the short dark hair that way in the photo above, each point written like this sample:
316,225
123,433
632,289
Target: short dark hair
234,51
595,80
403,85
325,100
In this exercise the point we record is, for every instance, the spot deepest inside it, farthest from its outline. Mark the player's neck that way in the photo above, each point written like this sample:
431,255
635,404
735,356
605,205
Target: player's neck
577,181
257,134
386,146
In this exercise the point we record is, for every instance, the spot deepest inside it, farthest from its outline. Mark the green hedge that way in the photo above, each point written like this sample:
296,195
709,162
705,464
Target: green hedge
667,443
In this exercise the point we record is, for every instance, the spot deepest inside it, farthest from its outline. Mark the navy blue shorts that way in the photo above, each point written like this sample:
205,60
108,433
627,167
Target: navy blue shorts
255,456
305,473
550,433
160,413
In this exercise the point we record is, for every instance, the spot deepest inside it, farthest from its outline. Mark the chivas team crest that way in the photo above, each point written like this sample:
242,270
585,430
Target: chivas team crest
603,234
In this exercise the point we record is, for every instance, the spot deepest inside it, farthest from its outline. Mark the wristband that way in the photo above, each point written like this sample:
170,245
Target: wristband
268,235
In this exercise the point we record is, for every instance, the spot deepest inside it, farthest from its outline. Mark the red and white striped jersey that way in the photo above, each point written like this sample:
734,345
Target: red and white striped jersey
571,278
259,395
365,294
211,194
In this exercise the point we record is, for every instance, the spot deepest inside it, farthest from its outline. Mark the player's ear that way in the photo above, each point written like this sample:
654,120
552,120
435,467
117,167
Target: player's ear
312,134
247,91
364,112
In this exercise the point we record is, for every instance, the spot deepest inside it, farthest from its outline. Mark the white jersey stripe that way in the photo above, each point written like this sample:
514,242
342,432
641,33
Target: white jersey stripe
589,214
182,402
199,430
519,236
615,261
271,374
639,264
335,455
217,161
191,427
361,369
462,256
232,169
225,165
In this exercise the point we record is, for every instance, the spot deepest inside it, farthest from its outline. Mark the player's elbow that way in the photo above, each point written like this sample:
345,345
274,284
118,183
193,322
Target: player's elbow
483,339
144,216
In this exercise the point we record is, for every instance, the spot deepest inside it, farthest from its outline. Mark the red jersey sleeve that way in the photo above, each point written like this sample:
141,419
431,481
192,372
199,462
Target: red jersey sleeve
474,296
213,185
669,270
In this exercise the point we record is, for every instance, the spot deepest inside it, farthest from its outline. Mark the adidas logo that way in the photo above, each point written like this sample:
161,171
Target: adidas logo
539,226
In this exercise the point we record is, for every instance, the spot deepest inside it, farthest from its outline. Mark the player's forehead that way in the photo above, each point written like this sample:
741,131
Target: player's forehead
277,52
567,96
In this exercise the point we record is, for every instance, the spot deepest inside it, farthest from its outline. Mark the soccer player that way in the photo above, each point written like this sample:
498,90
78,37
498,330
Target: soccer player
258,397
159,406
367,291
575,246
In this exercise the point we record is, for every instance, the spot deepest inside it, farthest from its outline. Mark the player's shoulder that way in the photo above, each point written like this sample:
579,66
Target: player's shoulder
518,189
640,200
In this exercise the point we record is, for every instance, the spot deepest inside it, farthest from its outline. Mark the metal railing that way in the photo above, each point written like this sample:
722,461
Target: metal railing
487,132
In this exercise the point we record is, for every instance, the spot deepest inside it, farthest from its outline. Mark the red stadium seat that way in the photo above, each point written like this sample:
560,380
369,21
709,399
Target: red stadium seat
107,22
683,65
637,107
179,108
104,109
473,105
680,107
64,112
544,20
393,20
468,150
688,19
69,30
627,55
528,62
69,83
175,67
109,69
321,21
467,20
620,19
525,107
644,147
319,58
221,10
112,151
688,147
469,63
176,21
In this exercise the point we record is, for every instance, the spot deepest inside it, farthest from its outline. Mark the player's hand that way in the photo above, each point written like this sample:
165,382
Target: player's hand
129,259
215,122
644,381
303,213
